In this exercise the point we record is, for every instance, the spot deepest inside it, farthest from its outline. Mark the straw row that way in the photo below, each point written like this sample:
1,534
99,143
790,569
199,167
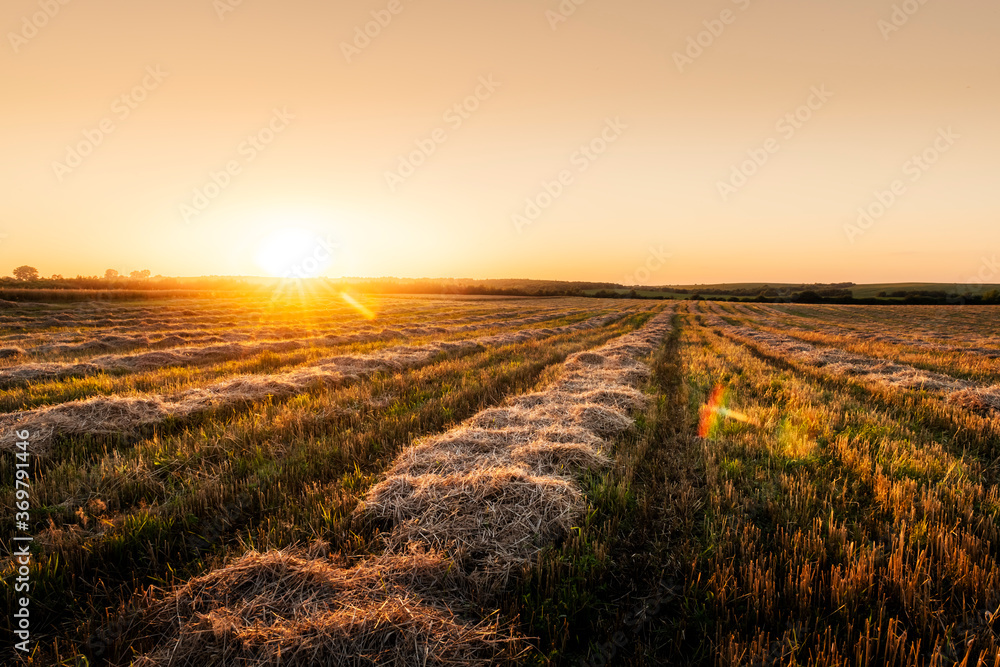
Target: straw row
466,509
68,343
886,373
874,332
127,415
194,356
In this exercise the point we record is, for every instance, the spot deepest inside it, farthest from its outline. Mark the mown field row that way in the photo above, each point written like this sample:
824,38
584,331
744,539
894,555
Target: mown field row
842,530
706,493
804,520
120,514
155,334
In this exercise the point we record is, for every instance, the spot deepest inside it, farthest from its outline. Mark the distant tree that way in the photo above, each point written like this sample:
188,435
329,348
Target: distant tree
57,276
808,296
110,274
26,273
139,275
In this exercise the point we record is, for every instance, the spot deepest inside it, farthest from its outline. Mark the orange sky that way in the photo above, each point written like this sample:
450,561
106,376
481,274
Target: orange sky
117,115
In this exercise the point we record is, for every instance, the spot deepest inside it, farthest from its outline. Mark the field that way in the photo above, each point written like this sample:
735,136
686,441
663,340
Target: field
542,481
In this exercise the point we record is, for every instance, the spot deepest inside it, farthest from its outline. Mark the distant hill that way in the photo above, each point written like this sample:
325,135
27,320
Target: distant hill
90,288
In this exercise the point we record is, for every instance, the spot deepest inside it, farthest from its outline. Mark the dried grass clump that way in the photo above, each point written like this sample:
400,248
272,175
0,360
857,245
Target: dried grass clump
621,398
499,487
45,371
589,358
605,422
496,518
103,415
559,458
564,433
280,608
512,417
457,451
978,399
8,352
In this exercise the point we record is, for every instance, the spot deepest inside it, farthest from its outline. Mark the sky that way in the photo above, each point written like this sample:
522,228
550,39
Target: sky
634,141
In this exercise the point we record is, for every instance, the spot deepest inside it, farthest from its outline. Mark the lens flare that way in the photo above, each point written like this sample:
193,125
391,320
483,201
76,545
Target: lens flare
358,306
715,411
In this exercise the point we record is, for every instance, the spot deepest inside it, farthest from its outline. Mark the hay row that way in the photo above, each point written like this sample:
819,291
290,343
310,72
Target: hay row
221,314
111,341
499,487
127,415
889,374
875,332
292,608
210,354
467,509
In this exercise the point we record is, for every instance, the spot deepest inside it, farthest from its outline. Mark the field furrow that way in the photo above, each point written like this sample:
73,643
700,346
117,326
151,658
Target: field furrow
465,510
84,345
975,363
837,535
195,356
183,499
865,370
125,415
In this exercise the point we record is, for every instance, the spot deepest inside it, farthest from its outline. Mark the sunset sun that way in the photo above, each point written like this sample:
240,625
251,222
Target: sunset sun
293,252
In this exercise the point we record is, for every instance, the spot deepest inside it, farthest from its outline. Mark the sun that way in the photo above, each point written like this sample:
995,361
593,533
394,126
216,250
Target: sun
293,252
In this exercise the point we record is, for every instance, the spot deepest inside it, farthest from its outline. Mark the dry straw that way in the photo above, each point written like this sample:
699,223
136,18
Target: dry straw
833,361
128,414
498,488
464,511
208,354
287,608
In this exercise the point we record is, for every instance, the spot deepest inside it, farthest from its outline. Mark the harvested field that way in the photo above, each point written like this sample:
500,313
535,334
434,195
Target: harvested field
539,481
887,374
191,356
489,507
126,414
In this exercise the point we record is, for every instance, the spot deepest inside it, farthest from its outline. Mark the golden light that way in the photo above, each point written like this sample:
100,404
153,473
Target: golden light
714,412
358,306
293,252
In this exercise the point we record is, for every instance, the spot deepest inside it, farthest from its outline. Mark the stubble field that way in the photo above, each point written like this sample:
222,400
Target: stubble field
429,480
